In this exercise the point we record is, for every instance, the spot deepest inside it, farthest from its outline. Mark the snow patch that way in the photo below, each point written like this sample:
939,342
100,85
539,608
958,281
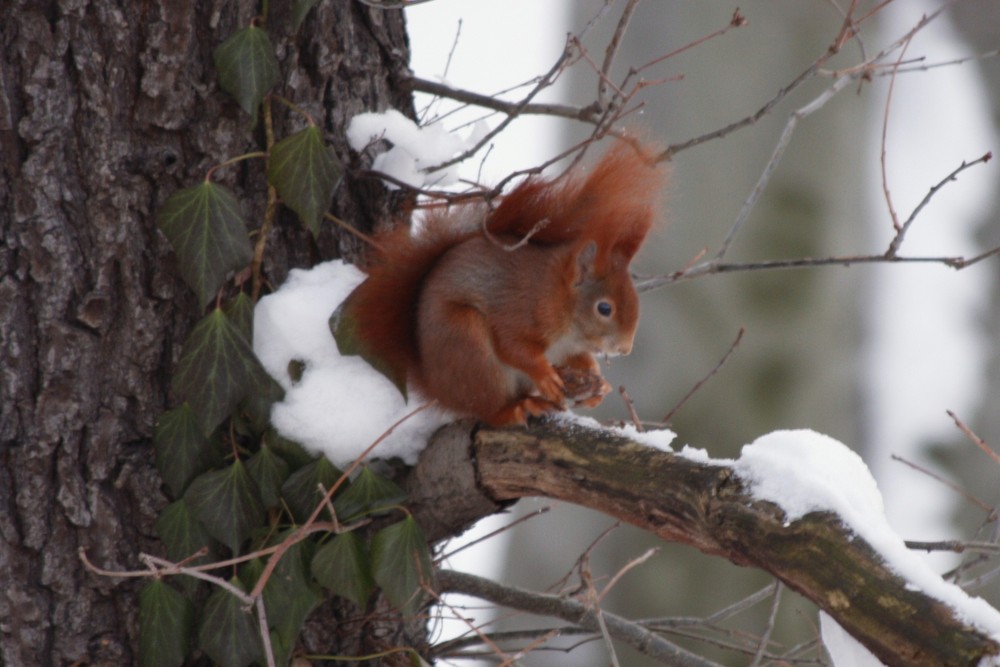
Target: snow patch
843,649
414,149
340,405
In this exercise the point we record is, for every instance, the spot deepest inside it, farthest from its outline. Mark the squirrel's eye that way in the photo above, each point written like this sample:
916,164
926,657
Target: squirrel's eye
604,309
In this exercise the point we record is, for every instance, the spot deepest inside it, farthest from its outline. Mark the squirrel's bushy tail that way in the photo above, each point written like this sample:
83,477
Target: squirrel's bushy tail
613,205
384,306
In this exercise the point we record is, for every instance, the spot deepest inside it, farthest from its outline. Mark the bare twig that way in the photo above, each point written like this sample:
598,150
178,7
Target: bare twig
635,562
510,247
776,155
585,114
265,634
484,638
926,67
769,628
973,438
498,531
710,268
897,240
956,546
737,20
609,55
700,383
954,487
592,601
630,406
885,133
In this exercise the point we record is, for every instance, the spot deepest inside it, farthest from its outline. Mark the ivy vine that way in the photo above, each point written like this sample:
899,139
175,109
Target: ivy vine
243,492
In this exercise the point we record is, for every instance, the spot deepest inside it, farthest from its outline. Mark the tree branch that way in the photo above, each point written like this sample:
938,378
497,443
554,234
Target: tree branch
705,506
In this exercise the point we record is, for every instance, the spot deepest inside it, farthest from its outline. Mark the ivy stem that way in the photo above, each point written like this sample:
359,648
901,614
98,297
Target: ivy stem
233,160
270,211
296,108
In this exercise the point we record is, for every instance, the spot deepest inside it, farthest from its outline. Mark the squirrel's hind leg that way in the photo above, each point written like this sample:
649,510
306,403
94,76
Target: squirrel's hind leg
466,375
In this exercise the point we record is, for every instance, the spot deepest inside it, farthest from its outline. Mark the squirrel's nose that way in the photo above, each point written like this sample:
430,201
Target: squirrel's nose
620,347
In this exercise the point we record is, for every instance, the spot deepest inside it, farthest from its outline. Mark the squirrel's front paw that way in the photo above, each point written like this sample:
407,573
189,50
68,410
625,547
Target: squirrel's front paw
551,387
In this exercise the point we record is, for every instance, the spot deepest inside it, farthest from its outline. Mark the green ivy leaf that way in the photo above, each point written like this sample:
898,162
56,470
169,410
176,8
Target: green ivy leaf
250,572
301,489
269,471
181,533
401,561
247,67
299,12
344,327
229,632
206,227
166,619
367,493
294,453
289,597
305,172
182,450
228,503
240,313
257,405
217,370
343,566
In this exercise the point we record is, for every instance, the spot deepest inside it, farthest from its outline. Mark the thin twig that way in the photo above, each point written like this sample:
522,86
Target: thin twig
630,406
265,634
737,20
772,164
709,268
885,133
592,601
700,383
635,562
535,513
769,628
954,487
973,438
484,638
609,54
897,240
491,102
159,566
956,546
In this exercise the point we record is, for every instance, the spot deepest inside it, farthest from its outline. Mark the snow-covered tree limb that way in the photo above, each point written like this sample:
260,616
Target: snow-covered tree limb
708,506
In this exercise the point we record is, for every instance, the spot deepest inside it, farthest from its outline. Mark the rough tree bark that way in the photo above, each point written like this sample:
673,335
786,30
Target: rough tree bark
105,109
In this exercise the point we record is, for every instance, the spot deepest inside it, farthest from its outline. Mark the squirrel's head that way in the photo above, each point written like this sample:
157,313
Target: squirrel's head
606,304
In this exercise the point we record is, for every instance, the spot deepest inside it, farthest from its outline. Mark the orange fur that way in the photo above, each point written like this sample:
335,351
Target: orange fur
479,327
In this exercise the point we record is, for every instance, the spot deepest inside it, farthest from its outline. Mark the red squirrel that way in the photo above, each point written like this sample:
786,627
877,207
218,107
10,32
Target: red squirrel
499,325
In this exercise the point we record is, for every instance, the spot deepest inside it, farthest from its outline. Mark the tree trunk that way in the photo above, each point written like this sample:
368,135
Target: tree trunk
106,108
